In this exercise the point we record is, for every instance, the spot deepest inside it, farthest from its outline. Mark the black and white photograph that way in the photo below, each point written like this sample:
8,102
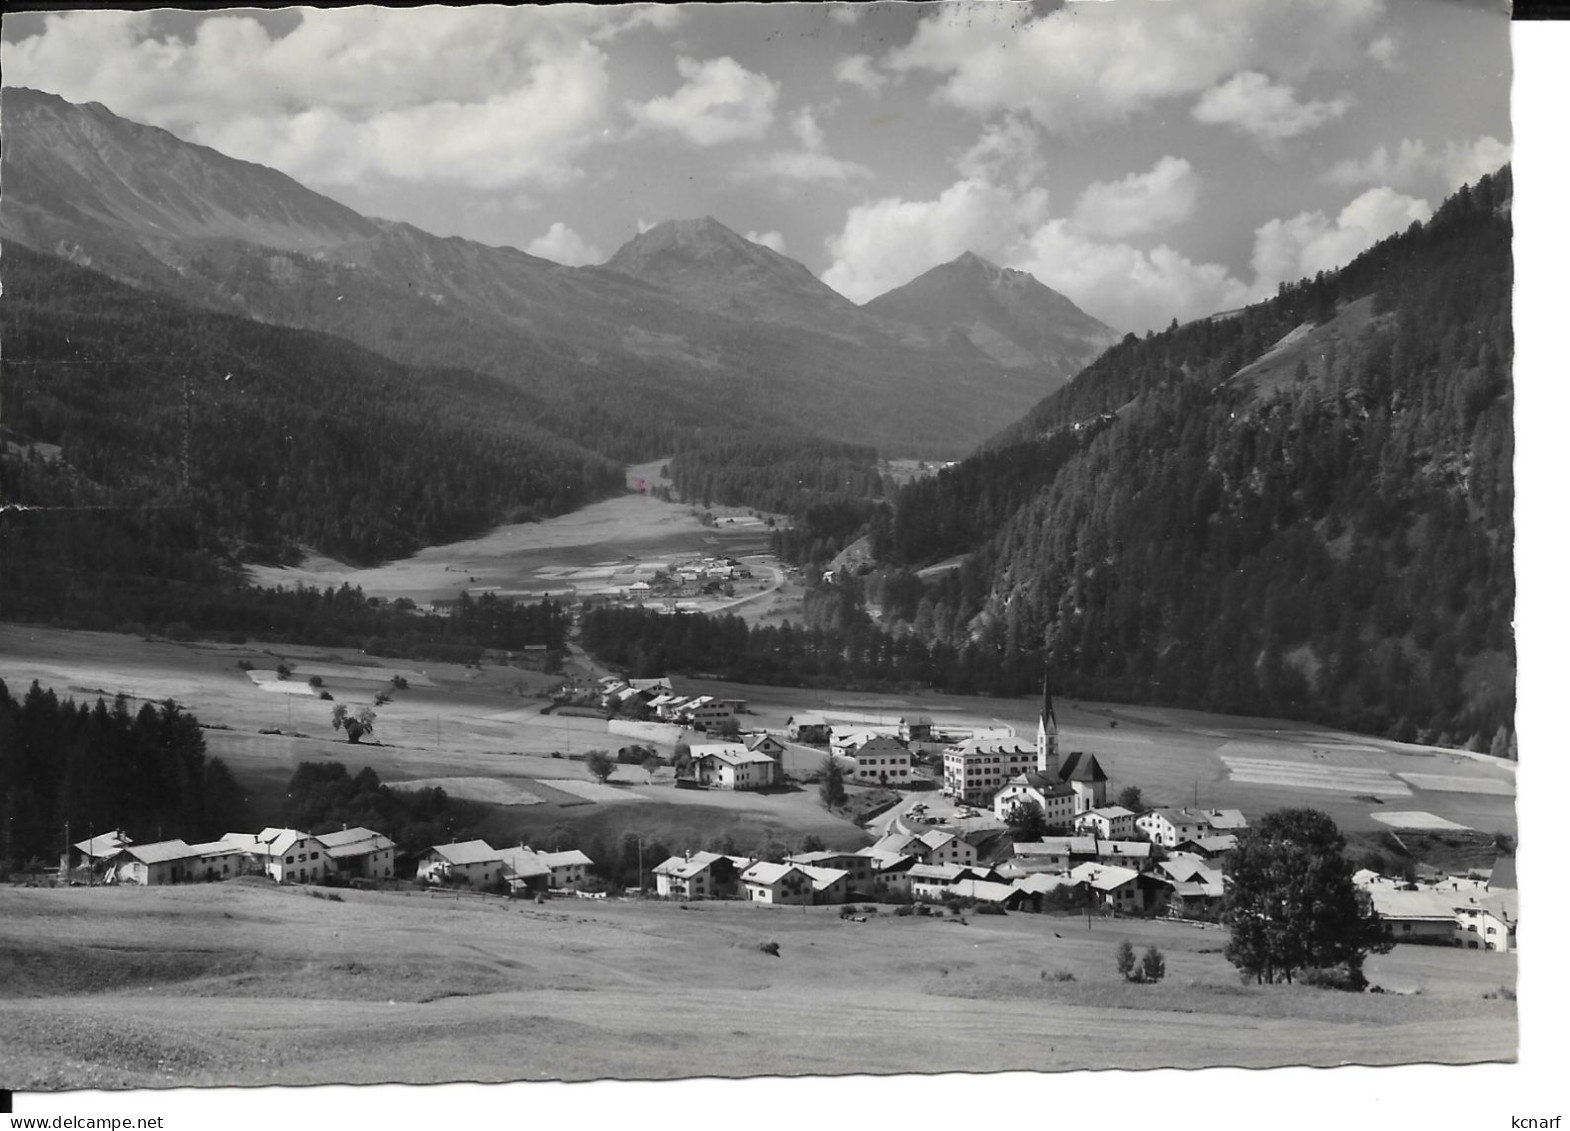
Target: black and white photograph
675,542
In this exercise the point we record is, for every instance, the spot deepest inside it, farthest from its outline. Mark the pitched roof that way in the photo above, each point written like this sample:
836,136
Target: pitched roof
1131,849
1081,767
731,753
1103,877
943,873
1056,846
1223,820
988,891
466,852
216,848
1110,812
763,872
1223,843
1042,784
686,867
881,744
936,838
1039,883
346,843
104,844
160,851
523,862
565,859
823,878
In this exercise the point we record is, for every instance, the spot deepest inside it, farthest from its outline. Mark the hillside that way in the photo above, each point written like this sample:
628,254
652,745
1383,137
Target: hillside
689,328
1300,510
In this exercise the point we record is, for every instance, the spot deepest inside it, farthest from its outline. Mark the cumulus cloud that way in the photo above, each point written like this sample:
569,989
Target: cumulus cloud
350,92
720,101
1384,51
770,239
806,164
1311,242
1124,286
857,70
886,243
1268,112
1140,202
563,245
1086,65
804,124
1412,163
1008,152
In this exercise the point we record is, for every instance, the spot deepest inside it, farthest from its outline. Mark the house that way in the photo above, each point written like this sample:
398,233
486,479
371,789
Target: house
285,855
990,891
829,885
1454,913
524,870
778,883
1110,822
932,847
975,769
470,862
730,765
1054,853
1140,855
930,881
1035,888
97,851
1197,888
857,867
882,760
843,741
701,875
1171,827
1057,799
568,869
1217,848
173,862
1111,887
360,853
1225,820
765,744
915,728
708,713
809,727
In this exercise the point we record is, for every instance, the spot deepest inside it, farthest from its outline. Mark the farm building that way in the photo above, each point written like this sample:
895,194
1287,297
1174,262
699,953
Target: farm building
360,853
173,862
285,855
471,861
730,765
809,727
701,875
778,883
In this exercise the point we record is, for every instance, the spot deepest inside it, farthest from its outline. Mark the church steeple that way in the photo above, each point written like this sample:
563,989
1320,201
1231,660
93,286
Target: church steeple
1047,735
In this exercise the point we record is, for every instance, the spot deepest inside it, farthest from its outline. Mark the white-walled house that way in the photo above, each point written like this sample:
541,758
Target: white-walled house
360,853
471,861
286,855
173,862
1110,822
1056,798
730,765
882,760
1171,827
777,883
701,875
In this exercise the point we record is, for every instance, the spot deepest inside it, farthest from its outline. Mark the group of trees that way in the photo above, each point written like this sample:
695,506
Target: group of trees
94,769
324,796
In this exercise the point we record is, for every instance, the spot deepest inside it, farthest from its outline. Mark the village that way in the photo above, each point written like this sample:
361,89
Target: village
1010,827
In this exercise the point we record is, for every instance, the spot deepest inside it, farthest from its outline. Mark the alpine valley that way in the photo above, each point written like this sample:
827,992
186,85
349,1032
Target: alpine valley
1301,508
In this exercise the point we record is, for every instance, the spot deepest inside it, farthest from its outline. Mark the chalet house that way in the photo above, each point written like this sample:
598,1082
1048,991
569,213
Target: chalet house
809,727
915,728
701,875
778,883
1223,821
829,885
730,765
471,861
1197,888
1112,887
891,874
286,855
1035,888
882,760
1446,914
990,891
844,741
1110,822
360,853
1056,798
1214,848
930,881
946,848
1171,827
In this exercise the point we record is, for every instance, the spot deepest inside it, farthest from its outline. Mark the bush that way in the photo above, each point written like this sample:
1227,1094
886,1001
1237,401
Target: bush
1347,978
315,681
400,683
1153,967
1125,959
990,909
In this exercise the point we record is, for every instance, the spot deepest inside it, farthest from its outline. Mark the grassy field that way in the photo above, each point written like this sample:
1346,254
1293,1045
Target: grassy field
242,983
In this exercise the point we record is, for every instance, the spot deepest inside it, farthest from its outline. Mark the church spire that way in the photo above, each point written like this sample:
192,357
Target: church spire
1047,735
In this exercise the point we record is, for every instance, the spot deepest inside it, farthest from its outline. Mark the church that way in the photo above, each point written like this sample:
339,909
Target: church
1064,788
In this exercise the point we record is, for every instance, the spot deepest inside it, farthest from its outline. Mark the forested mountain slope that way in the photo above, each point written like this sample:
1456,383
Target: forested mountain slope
1302,509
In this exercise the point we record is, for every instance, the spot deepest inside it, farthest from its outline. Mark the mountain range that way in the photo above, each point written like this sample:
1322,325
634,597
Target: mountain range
688,328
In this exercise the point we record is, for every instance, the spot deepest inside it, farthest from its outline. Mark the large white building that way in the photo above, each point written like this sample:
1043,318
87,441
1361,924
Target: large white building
882,760
977,768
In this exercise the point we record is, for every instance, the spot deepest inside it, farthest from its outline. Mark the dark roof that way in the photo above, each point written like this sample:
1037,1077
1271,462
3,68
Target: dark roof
1048,715
1082,767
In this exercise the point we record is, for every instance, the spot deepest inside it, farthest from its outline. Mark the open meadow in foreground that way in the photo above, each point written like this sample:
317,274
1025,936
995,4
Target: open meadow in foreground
242,983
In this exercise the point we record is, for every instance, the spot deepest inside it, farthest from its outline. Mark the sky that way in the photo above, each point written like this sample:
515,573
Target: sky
1150,160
